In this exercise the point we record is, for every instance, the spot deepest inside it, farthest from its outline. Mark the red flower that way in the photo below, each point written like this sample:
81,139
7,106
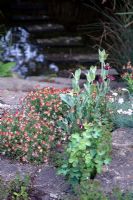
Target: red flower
100,80
110,77
107,67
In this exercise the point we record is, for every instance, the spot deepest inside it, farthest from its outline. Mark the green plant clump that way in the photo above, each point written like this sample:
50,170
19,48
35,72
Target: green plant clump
92,190
17,189
87,125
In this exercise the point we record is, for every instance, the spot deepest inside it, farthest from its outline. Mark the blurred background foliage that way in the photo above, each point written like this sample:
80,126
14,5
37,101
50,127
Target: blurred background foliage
105,24
113,30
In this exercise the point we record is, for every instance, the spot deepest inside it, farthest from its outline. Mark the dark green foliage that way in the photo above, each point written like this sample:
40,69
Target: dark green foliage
116,31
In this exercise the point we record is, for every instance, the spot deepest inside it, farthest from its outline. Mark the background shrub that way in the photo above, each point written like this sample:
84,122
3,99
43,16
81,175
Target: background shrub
115,29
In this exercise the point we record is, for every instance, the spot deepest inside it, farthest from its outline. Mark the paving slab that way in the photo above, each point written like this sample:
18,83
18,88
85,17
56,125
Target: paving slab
120,171
16,84
70,58
45,27
61,41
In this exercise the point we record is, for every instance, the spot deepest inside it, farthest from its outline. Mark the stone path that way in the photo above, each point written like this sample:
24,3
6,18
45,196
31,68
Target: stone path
12,90
49,186
44,180
16,84
120,171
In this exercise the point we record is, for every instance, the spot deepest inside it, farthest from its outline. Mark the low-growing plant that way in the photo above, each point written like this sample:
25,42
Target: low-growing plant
19,188
92,190
87,125
4,190
87,151
119,195
30,134
121,108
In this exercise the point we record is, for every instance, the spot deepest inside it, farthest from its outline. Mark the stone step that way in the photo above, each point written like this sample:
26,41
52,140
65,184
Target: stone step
29,17
57,80
61,42
55,34
20,15
68,50
111,72
72,58
23,6
16,84
45,28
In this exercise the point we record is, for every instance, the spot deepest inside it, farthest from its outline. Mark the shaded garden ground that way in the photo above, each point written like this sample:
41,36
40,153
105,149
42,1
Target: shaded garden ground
45,182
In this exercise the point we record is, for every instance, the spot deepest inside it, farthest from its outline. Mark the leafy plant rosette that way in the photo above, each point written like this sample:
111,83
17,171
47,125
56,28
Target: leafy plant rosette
30,134
121,107
87,125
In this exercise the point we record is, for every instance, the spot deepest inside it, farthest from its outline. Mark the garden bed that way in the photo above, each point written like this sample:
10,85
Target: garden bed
65,128
47,185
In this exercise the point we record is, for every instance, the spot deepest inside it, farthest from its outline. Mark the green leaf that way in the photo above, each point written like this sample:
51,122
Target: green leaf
77,74
62,171
96,133
91,75
5,68
76,136
102,56
75,85
93,152
68,99
64,166
72,160
104,73
101,153
107,161
86,135
88,158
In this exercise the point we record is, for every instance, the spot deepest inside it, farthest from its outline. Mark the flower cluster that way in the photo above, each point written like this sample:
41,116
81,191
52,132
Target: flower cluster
108,76
125,112
29,134
121,107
